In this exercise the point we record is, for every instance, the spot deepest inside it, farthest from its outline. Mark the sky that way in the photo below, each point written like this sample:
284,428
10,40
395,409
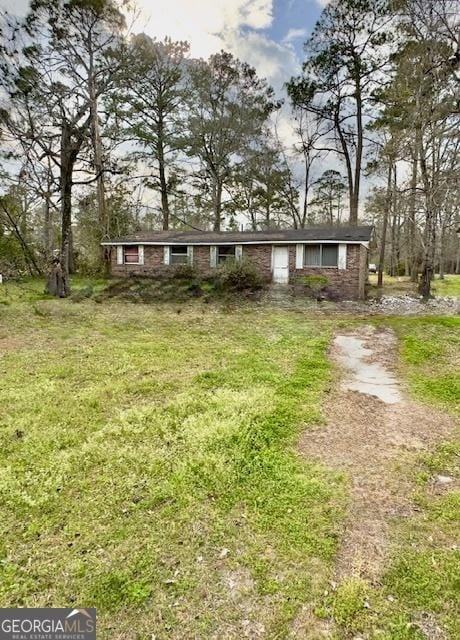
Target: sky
268,34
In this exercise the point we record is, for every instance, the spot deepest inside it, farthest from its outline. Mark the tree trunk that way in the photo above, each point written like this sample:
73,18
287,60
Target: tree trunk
384,228
442,237
47,222
394,260
66,222
162,172
57,283
413,262
103,218
217,192
359,150
305,215
99,170
353,210
430,233
68,156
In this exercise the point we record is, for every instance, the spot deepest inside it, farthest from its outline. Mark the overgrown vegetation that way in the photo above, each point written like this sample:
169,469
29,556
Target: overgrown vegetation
315,286
239,275
233,281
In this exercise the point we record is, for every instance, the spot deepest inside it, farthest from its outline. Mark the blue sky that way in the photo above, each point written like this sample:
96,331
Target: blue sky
293,17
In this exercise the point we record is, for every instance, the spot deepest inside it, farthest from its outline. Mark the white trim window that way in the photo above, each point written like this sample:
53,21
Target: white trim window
321,255
224,253
131,254
178,254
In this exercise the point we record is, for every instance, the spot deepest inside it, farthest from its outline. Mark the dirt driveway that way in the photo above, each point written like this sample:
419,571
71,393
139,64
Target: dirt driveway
372,426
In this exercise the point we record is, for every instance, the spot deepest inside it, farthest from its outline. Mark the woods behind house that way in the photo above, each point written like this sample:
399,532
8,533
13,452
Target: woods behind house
105,131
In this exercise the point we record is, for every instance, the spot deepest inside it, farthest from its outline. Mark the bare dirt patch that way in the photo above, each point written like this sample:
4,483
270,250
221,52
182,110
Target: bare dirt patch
9,343
368,439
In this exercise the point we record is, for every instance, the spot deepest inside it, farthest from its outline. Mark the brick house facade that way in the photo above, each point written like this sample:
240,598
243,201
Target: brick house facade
279,256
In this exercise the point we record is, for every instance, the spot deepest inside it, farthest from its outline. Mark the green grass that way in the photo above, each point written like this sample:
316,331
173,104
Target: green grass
148,468
423,578
33,289
148,465
449,286
430,349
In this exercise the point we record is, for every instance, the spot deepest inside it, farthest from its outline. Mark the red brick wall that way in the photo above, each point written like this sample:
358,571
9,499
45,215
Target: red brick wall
343,283
261,256
202,259
153,260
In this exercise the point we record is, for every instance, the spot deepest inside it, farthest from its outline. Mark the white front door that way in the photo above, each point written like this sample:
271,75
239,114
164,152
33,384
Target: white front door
280,259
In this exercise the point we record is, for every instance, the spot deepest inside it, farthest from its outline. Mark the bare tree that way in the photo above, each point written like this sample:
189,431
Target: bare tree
345,55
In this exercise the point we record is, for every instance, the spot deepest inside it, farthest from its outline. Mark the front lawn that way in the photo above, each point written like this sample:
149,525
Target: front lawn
148,466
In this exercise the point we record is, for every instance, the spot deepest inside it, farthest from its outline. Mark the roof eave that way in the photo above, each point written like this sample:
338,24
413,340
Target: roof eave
208,243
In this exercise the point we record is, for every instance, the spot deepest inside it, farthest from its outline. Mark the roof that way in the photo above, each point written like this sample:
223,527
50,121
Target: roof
355,234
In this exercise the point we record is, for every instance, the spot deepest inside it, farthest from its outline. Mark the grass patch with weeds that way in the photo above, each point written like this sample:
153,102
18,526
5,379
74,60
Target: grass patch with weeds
148,466
419,596
449,286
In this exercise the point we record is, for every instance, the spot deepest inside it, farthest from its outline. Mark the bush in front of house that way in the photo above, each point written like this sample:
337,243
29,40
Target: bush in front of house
182,272
238,275
233,280
315,285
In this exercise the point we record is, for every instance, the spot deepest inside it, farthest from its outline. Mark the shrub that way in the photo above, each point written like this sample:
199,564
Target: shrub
239,275
183,272
315,283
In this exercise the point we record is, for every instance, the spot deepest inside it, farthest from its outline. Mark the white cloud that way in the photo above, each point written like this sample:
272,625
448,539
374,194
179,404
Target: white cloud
233,25
294,34
212,25
203,25
274,61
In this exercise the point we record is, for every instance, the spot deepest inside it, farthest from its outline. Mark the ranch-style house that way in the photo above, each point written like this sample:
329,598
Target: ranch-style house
281,256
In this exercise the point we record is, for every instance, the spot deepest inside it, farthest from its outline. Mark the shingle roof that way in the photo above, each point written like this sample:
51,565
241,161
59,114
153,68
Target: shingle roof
340,234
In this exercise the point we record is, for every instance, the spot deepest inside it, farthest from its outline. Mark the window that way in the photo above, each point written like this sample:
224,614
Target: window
225,253
329,255
312,255
179,255
321,255
131,255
